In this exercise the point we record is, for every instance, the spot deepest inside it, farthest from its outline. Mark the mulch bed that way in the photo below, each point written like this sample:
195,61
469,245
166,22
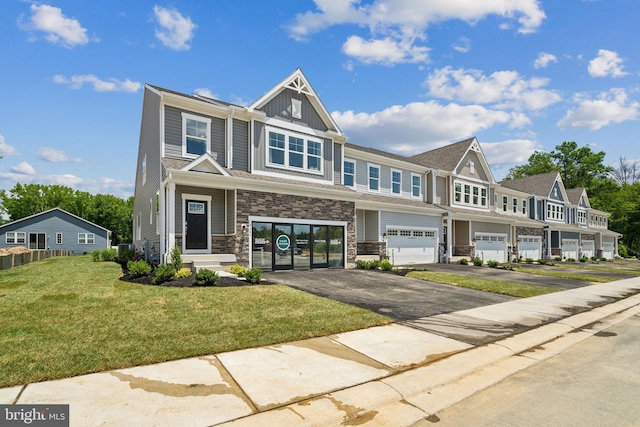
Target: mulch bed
188,282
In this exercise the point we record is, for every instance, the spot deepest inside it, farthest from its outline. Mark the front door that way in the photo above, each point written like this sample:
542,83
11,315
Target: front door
195,226
282,247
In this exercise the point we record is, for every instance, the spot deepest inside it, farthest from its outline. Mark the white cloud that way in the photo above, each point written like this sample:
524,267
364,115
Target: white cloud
23,168
610,107
99,85
6,149
201,91
505,89
543,60
384,51
52,155
59,30
607,63
420,126
120,189
395,27
176,31
463,45
509,152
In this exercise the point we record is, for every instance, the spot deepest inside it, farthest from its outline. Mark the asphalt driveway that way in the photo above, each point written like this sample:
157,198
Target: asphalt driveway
398,297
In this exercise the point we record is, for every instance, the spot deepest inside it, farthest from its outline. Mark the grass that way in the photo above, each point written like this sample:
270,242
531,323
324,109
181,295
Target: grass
603,268
585,277
481,284
69,316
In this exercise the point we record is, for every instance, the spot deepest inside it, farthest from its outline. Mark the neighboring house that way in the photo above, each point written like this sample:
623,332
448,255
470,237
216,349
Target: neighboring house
55,229
276,185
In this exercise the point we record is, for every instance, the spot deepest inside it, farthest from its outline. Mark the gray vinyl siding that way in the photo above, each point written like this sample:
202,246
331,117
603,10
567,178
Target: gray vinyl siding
487,227
464,168
570,235
360,225
260,156
173,134
149,145
441,191
337,163
362,180
241,145
217,207
231,212
280,107
54,222
371,231
402,219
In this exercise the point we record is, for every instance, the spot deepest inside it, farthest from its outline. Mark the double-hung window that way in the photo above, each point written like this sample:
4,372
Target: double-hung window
349,173
515,205
468,194
374,178
286,149
196,131
58,238
416,185
396,181
15,237
458,193
86,238
524,207
505,203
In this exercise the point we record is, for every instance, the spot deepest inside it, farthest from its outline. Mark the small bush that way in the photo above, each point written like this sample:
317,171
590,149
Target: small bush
206,277
493,264
541,261
604,259
477,262
584,259
593,258
463,261
138,268
126,256
253,275
176,258
570,260
164,273
109,254
238,270
528,260
507,267
368,265
386,265
183,272
622,250
557,259
95,256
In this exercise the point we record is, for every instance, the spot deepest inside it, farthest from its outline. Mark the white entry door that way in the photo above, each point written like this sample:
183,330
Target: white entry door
570,248
530,247
491,247
411,246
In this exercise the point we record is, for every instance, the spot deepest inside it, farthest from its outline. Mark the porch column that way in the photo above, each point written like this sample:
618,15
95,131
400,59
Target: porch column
162,197
171,217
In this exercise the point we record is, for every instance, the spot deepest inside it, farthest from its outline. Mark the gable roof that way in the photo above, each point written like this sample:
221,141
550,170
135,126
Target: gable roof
576,194
52,210
539,185
205,163
298,82
445,158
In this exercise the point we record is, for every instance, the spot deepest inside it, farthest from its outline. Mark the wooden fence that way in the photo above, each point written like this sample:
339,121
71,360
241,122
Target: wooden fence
9,261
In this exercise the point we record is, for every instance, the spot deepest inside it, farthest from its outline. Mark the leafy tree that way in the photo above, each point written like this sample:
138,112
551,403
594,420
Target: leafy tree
539,162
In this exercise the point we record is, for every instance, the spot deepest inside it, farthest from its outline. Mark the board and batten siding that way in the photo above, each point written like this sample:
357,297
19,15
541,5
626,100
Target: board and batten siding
146,189
441,191
241,145
280,107
465,167
54,222
231,212
218,207
337,163
260,156
173,134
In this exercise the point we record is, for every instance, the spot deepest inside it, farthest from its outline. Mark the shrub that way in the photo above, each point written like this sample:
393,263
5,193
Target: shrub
603,259
570,260
558,259
477,262
183,272
493,264
164,273
507,267
176,258
253,275
138,268
95,255
206,277
238,270
386,265
594,258
622,250
126,256
528,260
584,259
109,254
369,265
541,261
463,261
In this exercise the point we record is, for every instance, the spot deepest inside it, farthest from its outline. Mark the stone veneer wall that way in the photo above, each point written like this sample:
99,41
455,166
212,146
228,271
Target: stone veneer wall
372,248
256,203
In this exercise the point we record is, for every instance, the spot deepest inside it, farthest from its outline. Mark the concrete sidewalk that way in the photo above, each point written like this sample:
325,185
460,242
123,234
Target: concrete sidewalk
396,375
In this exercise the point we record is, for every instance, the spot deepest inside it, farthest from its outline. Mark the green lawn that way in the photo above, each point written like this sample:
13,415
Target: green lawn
586,277
488,285
69,316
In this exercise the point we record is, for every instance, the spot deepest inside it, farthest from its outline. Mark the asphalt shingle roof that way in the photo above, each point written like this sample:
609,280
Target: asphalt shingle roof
539,185
444,158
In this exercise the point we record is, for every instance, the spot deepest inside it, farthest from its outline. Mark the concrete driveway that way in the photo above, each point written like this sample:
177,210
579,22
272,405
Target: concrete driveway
398,297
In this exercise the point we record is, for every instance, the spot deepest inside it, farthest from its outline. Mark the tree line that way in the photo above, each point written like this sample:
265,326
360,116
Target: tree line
105,210
611,189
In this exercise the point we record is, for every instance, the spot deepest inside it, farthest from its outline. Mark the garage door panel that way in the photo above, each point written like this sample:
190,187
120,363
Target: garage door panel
530,247
491,248
588,248
607,250
411,246
570,248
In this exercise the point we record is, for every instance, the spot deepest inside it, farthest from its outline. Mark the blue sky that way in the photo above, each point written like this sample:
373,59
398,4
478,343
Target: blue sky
404,76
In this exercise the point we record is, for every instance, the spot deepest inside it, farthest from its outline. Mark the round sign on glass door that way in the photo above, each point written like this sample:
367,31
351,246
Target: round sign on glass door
283,242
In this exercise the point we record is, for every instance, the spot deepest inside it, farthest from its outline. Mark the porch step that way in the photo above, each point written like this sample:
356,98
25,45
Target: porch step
209,261
209,265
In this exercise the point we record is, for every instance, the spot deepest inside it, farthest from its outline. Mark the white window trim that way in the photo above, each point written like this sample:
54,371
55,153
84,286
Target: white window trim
415,175
16,238
369,166
200,198
556,214
305,154
505,203
59,238
296,108
206,120
514,205
393,193
524,207
144,169
472,167
480,187
354,172
86,238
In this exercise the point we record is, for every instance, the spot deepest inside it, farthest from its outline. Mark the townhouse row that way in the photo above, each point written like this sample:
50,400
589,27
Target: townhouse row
276,185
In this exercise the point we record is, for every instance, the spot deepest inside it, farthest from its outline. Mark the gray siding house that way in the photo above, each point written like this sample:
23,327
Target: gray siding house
55,229
276,185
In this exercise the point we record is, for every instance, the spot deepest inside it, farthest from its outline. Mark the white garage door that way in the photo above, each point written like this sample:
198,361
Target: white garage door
588,248
607,250
491,247
530,247
411,246
570,248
